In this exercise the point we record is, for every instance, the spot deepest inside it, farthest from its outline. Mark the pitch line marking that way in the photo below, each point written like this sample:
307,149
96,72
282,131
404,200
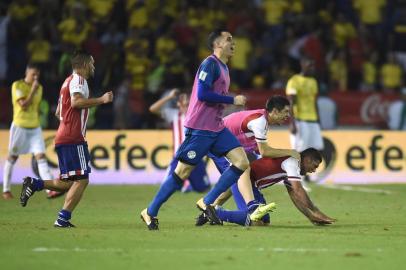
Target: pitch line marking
76,249
260,249
359,189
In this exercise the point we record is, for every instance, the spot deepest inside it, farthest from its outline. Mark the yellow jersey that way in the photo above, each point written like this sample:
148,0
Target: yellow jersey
370,11
28,118
274,11
305,89
391,75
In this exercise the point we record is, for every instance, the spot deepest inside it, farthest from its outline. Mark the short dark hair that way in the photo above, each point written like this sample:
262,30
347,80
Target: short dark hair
32,65
278,102
311,152
213,36
80,58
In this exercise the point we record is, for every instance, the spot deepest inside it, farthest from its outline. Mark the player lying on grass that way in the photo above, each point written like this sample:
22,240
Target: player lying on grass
266,172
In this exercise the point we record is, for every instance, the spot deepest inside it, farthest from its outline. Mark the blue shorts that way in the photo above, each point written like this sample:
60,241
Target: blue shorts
199,143
222,163
73,161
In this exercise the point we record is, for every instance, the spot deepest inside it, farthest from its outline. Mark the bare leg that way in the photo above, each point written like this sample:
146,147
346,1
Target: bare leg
239,159
183,170
57,185
245,186
223,197
74,194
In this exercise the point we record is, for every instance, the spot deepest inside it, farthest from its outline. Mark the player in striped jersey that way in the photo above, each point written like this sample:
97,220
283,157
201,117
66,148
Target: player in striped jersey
251,129
198,179
70,143
265,172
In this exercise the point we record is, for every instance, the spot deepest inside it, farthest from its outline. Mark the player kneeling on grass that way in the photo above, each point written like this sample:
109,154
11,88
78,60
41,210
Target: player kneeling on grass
266,172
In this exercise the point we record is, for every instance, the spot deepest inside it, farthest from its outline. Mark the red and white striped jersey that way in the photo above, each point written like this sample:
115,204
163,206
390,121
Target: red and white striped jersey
267,171
177,119
177,127
72,122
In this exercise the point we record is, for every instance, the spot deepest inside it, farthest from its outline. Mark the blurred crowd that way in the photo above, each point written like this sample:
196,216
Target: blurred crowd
144,47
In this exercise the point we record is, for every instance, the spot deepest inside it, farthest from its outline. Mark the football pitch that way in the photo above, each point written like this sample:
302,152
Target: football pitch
370,233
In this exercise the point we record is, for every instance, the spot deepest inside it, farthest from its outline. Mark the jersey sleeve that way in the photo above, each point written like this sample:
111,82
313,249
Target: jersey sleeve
292,169
169,114
16,92
40,92
77,85
209,72
259,127
291,88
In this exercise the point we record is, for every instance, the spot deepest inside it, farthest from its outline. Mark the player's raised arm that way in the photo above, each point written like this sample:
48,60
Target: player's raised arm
156,107
78,101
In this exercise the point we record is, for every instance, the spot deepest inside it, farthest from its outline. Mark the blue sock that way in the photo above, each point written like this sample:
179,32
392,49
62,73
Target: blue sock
168,187
226,180
252,205
64,216
238,217
266,219
38,184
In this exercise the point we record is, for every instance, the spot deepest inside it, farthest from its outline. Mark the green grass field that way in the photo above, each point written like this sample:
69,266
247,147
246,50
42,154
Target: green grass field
370,233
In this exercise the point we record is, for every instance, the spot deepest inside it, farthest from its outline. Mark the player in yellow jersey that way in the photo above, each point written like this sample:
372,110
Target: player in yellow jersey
302,91
25,132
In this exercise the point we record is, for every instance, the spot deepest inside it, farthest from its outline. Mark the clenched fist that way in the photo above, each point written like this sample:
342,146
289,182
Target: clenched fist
107,97
240,100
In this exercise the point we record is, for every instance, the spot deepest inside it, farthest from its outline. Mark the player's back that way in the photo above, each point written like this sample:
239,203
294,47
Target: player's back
72,125
245,124
269,171
305,88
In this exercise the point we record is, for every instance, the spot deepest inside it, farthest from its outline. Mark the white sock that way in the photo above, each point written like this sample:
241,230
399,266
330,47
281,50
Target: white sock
43,169
7,172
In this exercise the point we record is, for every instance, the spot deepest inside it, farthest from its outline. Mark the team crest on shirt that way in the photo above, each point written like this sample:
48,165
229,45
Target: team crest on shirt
191,154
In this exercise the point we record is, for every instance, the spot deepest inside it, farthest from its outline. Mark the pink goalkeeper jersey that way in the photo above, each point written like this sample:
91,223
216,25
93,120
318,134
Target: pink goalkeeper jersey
208,116
250,128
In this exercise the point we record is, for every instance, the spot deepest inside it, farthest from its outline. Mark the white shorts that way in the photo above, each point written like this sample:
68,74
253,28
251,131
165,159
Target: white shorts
308,134
25,140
